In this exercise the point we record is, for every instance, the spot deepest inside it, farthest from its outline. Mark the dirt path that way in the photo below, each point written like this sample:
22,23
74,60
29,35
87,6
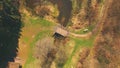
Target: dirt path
87,35
98,26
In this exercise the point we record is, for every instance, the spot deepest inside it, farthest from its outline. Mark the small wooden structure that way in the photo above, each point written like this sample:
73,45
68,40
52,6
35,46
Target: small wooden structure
13,65
61,30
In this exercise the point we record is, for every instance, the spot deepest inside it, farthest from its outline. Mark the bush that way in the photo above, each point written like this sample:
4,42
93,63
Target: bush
45,52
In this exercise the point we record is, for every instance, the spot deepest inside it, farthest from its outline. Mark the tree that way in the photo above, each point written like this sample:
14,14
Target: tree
107,45
10,25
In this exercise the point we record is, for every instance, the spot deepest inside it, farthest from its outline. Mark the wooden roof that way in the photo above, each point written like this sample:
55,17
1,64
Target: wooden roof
61,30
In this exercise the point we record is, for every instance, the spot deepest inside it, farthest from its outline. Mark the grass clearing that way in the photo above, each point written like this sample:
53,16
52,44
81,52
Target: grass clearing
34,29
41,21
81,31
79,43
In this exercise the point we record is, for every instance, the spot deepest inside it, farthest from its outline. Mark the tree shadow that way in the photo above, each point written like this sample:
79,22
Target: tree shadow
65,9
10,28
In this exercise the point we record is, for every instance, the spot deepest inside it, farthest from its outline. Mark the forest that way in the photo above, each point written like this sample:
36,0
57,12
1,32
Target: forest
59,33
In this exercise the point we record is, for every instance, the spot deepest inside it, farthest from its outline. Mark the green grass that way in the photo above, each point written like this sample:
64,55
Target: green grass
81,31
45,26
40,35
41,21
79,43
26,39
